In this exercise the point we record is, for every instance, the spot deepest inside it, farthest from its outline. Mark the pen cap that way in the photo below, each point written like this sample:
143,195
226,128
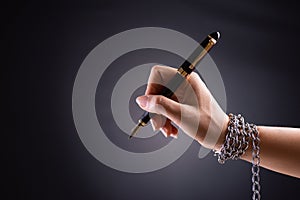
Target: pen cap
190,63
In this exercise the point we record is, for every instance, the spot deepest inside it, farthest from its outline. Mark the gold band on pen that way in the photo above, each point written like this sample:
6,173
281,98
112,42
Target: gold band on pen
209,45
182,72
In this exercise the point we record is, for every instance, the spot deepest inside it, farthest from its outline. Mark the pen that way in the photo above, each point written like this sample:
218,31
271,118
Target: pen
183,72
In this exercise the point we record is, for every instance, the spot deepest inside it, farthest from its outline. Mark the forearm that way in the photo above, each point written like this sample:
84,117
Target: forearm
279,150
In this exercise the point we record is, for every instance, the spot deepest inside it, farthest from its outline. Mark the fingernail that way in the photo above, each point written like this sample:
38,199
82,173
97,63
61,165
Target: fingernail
164,133
173,136
142,101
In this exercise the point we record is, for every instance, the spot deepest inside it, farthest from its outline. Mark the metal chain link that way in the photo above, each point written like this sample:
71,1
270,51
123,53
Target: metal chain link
237,139
255,163
236,143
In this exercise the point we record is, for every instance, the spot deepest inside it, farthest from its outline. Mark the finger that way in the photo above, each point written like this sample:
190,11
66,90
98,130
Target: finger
197,84
157,122
161,105
161,75
158,78
169,129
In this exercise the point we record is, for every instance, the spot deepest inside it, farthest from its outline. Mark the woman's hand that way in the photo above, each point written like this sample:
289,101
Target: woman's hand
192,108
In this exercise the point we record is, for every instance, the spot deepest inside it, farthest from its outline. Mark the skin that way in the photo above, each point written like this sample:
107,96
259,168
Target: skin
195,111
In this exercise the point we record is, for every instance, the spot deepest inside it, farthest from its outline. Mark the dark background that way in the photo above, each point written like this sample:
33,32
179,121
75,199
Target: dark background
45,44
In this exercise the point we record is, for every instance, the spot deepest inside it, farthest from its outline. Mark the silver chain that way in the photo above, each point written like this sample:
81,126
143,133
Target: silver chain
255,163
236,143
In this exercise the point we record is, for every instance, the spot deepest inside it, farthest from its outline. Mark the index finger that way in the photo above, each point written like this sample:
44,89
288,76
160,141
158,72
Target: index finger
158,78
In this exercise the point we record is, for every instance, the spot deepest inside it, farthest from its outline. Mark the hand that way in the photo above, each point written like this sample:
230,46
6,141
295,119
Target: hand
192,108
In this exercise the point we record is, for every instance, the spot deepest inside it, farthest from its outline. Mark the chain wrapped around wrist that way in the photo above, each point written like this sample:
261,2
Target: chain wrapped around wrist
238,137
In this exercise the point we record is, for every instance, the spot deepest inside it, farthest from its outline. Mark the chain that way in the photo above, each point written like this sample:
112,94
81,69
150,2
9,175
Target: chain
255,163
236,143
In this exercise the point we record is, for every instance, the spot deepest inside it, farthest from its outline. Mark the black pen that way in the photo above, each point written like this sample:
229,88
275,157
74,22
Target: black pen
183,73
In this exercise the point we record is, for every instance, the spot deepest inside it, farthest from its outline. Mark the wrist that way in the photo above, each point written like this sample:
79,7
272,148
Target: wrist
222,137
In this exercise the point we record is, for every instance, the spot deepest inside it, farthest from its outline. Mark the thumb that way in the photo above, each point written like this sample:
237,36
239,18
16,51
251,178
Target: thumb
160,105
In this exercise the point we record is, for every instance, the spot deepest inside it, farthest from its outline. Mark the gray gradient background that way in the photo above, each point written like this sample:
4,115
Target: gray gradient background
258,52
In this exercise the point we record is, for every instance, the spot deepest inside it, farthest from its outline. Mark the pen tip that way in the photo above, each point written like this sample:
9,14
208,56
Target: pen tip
135,130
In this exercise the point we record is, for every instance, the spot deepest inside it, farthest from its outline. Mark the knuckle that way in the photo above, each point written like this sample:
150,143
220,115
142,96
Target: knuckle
195,78
159,100
155,68
194,75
